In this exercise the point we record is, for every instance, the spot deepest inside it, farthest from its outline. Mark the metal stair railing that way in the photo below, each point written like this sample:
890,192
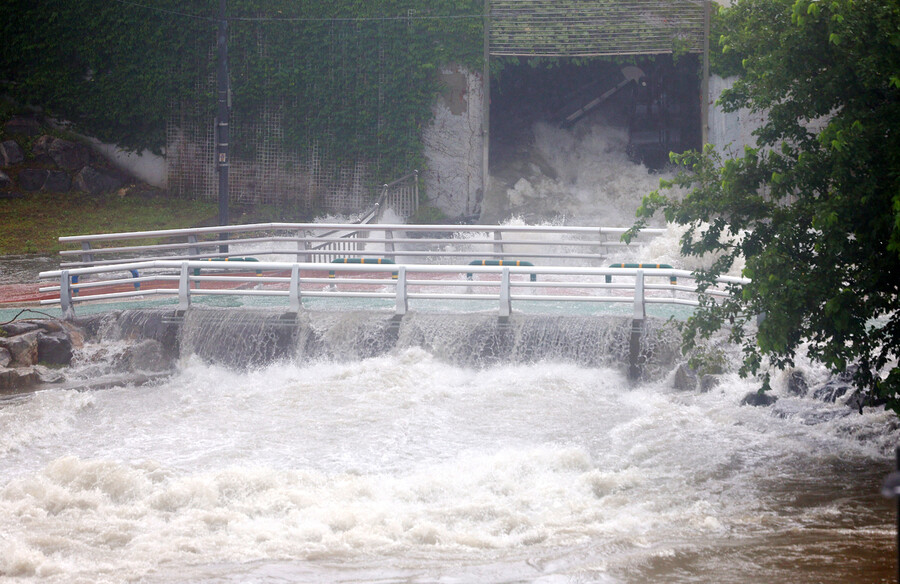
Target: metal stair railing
401,195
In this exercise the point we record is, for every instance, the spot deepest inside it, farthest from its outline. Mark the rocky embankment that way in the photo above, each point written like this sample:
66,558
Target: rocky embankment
85,353
34,160
31,352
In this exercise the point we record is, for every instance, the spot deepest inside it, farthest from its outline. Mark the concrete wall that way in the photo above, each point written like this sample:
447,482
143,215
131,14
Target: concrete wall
730,132
454,144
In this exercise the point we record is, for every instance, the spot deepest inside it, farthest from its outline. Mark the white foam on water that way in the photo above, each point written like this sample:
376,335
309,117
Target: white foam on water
405,465
588,178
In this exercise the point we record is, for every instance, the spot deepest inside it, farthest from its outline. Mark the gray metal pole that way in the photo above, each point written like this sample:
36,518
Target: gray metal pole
485,107
704,83
222,132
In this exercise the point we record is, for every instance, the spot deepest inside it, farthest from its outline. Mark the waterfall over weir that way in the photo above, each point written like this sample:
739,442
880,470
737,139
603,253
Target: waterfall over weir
242,338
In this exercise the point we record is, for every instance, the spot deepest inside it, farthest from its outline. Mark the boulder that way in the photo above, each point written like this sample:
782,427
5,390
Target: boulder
832,390
22,126
47,375
18,378
10,153
797,384
5,181
40,149
757,398
5,357
73,333
708,382
859,400
54,348
50,325
41,179
12,329
685,378
147,355
64,153
22,348
58,181
76,337
94,181
32,179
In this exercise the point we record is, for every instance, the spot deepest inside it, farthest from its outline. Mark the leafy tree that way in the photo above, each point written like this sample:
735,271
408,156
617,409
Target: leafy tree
814,210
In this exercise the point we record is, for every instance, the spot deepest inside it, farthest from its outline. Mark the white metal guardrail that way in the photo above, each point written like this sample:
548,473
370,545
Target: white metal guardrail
502,285
323,242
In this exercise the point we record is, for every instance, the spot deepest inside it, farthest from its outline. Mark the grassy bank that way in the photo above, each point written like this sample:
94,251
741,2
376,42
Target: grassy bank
32,224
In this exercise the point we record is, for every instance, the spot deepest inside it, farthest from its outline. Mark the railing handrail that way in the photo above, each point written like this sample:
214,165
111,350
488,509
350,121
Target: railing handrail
424,268
413,174
577,230
375,211
310,242
328,239
68,281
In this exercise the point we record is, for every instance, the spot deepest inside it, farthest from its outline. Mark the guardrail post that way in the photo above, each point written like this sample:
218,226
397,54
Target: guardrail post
402,297
87,258
389,245
635,361
498,247
640,311
193,251
294,293
415,205
65,295
602,248
505,299
303,249
184,288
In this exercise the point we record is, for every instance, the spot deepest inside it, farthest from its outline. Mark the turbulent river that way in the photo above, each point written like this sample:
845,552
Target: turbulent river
403,468
408,468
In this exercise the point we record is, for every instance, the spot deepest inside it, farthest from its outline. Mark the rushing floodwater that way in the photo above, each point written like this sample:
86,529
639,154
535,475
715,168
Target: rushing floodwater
405,469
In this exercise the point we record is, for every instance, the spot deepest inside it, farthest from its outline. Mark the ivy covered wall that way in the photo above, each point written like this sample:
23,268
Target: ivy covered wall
110,68
349,84
330,98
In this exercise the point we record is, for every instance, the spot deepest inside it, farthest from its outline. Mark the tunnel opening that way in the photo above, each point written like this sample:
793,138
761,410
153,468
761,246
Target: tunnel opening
655,99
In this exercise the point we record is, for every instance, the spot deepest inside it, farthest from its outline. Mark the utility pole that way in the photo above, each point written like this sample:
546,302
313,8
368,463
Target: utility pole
485,110
222,132
704,82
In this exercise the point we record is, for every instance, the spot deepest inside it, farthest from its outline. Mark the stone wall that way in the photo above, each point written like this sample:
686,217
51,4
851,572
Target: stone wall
32,161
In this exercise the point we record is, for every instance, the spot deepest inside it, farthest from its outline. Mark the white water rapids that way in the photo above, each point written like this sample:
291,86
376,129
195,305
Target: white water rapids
404,468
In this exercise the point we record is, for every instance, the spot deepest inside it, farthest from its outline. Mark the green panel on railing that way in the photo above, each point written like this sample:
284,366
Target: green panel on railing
501,263
672,279
361,261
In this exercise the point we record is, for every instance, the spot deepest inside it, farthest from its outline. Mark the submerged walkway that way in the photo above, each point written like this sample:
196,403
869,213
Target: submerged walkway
22,294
